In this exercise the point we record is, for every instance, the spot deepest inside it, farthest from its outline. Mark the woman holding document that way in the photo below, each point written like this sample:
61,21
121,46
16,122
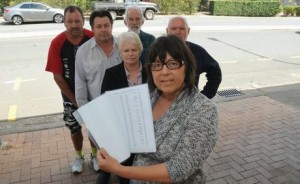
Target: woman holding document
185,121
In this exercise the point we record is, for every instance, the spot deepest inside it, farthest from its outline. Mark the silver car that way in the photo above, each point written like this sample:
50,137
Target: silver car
32,12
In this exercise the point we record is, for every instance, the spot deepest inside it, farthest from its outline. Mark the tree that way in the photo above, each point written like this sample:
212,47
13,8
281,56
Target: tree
4,3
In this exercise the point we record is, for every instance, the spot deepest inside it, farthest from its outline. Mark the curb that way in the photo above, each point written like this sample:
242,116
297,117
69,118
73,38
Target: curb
49,121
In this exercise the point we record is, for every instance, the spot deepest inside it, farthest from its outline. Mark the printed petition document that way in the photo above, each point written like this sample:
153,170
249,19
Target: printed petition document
121,121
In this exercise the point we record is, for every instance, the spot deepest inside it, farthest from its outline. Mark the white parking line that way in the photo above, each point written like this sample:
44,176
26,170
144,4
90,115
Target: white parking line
17,83
228,62
265,59
295,57
160,29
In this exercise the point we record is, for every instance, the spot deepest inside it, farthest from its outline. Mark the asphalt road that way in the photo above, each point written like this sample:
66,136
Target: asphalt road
258,56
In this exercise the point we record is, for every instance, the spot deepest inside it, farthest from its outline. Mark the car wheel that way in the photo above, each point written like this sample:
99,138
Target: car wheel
58,18
149,14
17,20
113,15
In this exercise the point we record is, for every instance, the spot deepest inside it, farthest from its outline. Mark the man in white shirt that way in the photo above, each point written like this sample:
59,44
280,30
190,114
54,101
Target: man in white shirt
92,59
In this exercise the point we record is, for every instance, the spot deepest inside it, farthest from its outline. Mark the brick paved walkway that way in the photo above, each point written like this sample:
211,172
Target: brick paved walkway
259,142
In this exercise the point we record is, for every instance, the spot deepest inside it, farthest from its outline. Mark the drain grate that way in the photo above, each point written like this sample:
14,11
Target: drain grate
229,93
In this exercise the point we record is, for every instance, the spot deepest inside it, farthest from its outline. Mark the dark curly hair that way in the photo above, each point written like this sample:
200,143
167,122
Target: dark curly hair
101,14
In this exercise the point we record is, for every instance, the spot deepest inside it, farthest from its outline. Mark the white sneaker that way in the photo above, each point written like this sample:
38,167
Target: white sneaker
94,163
77,166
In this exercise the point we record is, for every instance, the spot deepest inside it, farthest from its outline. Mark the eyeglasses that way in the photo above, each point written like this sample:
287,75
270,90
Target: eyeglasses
171,65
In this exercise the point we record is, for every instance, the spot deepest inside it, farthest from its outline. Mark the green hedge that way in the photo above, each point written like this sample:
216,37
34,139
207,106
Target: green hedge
291,10
245,8
297,10
288,10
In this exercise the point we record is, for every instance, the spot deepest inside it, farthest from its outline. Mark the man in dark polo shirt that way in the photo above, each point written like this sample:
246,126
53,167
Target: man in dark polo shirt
205,63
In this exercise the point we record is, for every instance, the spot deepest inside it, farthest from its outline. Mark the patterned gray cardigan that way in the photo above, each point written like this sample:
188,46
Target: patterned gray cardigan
184,138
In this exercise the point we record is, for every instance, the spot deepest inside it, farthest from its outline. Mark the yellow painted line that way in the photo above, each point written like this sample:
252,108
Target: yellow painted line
12,113
17,84
295,57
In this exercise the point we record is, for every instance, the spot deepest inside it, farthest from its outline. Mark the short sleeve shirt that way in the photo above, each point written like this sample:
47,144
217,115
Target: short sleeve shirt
61,58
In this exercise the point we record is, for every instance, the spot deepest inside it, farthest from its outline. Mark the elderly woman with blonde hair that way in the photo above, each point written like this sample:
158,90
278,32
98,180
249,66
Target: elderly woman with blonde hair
130,72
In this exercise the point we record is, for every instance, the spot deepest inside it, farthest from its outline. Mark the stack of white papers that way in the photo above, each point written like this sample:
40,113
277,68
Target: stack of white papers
121,121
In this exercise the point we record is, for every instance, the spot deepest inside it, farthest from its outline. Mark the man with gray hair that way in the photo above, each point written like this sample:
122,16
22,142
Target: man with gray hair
134,20
205,63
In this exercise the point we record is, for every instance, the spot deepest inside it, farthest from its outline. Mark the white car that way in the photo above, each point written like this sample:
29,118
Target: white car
32,12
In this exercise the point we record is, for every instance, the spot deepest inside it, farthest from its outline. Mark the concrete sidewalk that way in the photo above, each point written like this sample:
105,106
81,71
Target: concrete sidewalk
259,142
